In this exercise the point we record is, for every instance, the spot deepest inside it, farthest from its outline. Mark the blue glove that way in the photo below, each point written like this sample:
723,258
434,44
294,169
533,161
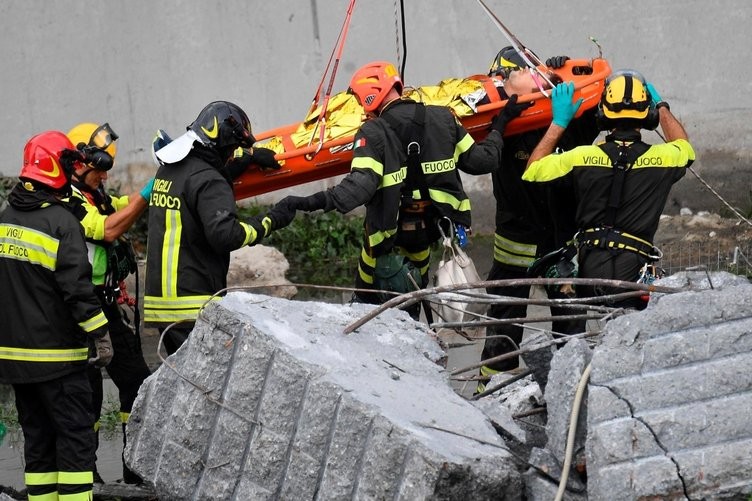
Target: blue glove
655,98
563,108
146,190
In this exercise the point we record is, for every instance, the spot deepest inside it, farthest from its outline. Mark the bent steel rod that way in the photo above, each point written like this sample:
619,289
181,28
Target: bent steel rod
410,298
528,349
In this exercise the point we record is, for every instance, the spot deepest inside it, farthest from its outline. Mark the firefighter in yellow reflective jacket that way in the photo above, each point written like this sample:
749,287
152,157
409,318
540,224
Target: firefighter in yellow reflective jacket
193,220
106,219
406,170
49,309
622,184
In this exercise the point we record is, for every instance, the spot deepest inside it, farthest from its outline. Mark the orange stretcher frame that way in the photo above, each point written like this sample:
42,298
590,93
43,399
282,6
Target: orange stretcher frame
312,163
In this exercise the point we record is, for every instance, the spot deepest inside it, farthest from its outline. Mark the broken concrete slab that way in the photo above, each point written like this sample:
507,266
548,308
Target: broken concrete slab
269,400
501,419
670,392
542,481
567,367
520,398
538,360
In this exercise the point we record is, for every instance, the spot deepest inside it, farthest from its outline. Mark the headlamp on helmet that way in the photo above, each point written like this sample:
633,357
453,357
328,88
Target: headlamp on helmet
97,143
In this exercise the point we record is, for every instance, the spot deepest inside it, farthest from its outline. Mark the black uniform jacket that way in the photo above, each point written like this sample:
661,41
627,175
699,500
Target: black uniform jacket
47,299
379,168
193,227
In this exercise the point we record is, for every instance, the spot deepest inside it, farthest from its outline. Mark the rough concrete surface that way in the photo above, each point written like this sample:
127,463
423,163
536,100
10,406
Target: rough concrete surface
670,393
269,400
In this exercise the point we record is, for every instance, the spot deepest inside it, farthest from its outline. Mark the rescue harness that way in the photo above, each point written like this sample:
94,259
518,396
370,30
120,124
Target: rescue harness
414,200
606,236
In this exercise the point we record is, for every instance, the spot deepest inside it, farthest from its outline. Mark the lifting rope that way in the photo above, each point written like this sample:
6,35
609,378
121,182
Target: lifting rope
710,188
397,37
526,54
338,48
738,214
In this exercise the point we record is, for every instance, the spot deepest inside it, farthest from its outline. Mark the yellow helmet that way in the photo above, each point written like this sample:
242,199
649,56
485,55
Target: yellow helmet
91,135
626,101
625,96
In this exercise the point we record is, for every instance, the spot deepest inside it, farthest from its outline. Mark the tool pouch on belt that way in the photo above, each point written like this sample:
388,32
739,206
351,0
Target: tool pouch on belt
417,225
561,263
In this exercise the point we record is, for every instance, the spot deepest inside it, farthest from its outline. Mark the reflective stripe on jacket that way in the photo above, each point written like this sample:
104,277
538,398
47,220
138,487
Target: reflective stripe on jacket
47,300
378,169
539,216
645,190
193,226
94,229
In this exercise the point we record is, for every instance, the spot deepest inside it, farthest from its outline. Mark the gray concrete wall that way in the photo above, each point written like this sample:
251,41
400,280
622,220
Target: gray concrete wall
143,65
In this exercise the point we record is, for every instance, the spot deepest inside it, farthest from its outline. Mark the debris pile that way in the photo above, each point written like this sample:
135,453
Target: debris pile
269,399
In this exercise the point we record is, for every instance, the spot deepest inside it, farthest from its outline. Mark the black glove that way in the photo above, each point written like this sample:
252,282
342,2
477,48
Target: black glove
104,351
238,163
281,215
511,110
264,158
262,227
556,61
308,204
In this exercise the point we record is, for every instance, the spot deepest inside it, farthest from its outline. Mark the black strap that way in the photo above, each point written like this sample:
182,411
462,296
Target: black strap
604,237
411,135
622,157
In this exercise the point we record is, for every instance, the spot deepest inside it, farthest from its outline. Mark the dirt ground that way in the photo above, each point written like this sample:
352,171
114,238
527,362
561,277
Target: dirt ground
703,226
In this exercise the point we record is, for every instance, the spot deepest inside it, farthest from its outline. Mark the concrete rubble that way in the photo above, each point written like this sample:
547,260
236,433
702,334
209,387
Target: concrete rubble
670,396
268,400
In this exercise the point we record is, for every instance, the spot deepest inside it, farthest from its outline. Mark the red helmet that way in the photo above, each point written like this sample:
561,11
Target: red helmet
372,83
42,160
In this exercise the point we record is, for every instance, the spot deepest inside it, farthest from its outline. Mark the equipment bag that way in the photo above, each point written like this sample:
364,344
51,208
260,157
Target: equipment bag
455,268
395,273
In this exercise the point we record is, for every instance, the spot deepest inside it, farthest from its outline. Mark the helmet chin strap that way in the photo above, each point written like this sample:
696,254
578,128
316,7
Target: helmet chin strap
81,178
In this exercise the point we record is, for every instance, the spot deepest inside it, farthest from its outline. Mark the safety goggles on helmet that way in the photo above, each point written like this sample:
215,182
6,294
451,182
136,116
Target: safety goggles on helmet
102,137
503,71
